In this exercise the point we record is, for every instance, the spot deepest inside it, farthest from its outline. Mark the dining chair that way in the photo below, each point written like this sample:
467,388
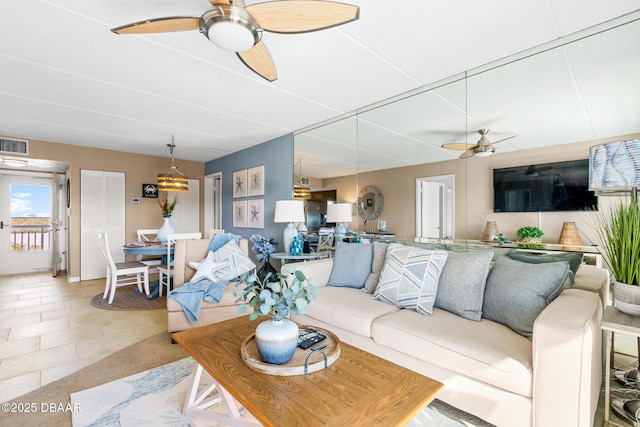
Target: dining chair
214,231
325,243
149,235
122,273
164,271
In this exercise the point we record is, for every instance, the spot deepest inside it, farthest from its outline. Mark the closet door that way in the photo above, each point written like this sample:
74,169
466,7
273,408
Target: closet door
186,215
102,199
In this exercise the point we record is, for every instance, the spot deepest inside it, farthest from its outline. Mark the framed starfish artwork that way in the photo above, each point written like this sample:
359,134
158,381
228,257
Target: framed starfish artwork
255,213
240,184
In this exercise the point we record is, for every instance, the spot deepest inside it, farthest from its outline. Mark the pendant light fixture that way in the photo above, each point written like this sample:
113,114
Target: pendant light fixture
300,190
173,180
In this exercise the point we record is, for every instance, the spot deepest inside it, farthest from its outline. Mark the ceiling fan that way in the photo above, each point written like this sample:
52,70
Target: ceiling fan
238,28
482,148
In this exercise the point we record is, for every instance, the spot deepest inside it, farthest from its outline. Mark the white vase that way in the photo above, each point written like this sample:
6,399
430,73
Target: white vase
277,340
626,298
165,230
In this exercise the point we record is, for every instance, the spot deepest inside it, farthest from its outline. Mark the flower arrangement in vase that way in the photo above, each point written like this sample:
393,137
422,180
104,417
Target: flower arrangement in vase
276,296
263,248
166,207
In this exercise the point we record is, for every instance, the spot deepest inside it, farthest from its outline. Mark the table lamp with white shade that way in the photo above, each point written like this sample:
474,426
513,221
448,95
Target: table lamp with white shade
289,211
339,213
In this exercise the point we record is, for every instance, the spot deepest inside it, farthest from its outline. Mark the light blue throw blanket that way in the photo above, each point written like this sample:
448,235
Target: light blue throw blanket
191,294
219,240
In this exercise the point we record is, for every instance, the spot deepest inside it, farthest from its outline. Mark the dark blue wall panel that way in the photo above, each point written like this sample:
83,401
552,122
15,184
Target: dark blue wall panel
277,157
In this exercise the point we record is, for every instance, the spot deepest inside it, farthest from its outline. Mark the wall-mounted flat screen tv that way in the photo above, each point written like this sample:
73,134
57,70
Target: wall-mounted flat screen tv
561,186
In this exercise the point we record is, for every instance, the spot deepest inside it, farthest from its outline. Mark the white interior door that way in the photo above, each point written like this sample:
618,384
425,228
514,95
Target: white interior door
25,223
431,200
102,209
186,215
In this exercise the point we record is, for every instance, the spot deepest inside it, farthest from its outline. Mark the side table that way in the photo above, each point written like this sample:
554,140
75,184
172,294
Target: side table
295,258
614,321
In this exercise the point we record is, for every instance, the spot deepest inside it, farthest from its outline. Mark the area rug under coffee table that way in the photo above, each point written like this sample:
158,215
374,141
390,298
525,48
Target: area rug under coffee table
155,398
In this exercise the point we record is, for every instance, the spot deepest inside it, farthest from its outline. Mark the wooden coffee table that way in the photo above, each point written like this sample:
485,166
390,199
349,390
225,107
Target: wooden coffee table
357,389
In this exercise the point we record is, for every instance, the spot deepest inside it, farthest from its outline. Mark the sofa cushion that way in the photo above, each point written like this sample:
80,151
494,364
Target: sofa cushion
487,351
517,292
379,255
573,258
347,308
351,265
238,262
462,283
409,278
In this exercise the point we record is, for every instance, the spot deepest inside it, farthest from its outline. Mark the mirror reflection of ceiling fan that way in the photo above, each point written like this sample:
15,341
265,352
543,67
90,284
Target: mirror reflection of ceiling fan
482,148
238,28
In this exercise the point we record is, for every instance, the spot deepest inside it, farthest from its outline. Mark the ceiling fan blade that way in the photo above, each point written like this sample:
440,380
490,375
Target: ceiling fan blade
504,139
301,16
460,146
161,25
469,153
259,60
215,2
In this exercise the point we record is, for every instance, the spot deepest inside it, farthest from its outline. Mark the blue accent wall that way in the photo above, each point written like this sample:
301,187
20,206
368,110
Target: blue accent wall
277,157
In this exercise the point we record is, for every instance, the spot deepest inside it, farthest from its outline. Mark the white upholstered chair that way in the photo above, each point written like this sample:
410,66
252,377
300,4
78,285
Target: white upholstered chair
122,273
164,271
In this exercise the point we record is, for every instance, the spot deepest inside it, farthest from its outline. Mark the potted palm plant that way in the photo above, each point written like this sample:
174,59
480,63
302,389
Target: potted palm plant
619,233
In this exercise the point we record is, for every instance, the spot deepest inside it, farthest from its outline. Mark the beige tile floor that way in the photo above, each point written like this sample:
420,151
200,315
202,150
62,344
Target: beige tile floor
49,330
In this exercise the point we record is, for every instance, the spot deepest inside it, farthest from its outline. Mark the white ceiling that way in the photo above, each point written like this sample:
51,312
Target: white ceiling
66,78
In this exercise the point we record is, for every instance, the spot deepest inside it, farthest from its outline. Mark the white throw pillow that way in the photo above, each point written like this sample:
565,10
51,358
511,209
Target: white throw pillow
208,268
410,276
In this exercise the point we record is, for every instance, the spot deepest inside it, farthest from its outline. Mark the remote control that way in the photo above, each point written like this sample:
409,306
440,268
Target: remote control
309,337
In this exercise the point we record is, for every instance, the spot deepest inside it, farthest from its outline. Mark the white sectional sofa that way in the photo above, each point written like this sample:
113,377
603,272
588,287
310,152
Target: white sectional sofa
488,369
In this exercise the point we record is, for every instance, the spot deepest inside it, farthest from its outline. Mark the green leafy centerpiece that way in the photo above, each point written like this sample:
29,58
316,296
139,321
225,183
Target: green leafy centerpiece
531,235
276,296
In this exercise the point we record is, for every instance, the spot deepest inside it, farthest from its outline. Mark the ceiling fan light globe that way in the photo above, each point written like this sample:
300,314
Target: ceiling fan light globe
485,153
231,28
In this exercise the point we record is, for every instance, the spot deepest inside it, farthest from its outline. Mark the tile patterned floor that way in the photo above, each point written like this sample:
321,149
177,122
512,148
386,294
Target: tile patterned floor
49,330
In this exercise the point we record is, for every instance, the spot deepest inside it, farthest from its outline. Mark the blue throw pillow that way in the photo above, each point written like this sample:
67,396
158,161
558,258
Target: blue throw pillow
351,265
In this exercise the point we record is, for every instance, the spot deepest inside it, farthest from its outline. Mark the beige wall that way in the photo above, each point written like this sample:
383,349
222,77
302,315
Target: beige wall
474,193
138,168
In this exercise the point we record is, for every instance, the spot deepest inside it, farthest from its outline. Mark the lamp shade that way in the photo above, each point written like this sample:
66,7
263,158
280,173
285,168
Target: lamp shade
614,168
339,212
289,211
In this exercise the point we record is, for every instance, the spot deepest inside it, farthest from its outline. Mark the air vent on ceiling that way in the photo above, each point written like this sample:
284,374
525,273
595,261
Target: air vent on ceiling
14,146
304,180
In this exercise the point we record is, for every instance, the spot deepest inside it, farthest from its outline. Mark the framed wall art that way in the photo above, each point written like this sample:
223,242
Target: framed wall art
240,214
256,181
255,213
240,184
150,191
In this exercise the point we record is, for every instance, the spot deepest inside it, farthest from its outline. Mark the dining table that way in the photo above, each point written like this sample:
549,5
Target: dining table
149,249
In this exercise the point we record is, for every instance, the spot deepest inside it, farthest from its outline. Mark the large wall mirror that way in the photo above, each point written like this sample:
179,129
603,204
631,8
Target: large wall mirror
548,104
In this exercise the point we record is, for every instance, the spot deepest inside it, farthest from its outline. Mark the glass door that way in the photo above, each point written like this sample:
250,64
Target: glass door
25,223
